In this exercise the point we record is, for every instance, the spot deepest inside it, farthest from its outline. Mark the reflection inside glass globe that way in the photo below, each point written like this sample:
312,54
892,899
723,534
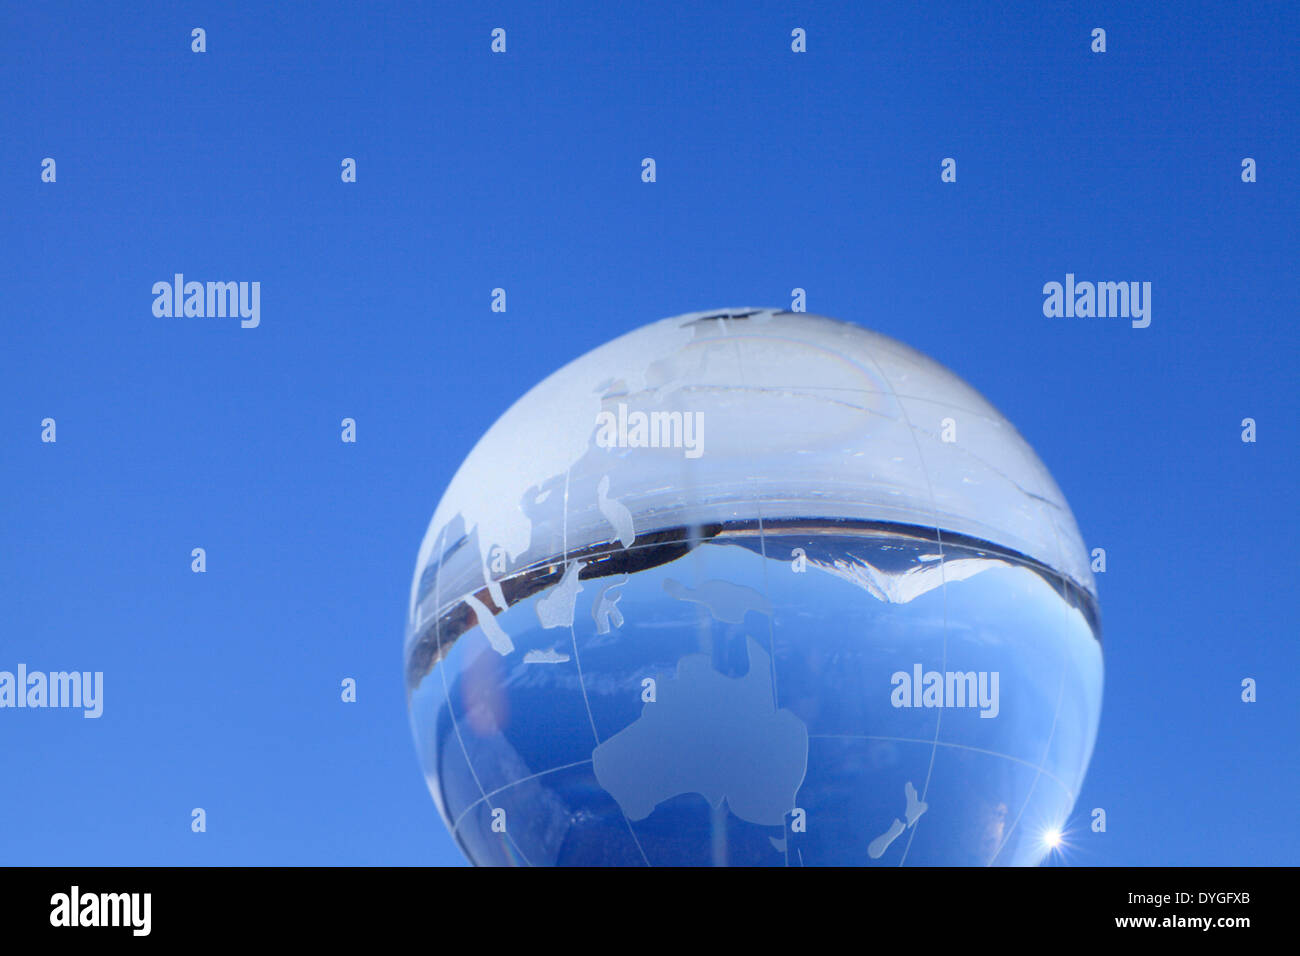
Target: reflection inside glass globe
753,588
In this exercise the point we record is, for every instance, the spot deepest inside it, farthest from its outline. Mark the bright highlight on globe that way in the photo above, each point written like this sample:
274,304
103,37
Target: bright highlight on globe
754,588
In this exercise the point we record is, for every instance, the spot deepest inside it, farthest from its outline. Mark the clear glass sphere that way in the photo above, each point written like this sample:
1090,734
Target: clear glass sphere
753,587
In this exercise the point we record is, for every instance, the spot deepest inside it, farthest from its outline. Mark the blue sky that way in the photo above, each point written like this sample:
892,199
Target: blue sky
775,170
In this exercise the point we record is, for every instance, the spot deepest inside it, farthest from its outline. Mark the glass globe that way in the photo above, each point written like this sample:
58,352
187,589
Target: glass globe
752,587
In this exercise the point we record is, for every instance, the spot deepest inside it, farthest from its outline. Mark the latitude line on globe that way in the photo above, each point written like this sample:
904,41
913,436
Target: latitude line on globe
865,391
955,746
532,776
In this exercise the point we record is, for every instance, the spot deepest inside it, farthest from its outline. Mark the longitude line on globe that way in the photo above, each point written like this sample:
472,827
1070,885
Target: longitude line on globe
437,630
771,625
577,659
1047,749
943,584
1060,695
